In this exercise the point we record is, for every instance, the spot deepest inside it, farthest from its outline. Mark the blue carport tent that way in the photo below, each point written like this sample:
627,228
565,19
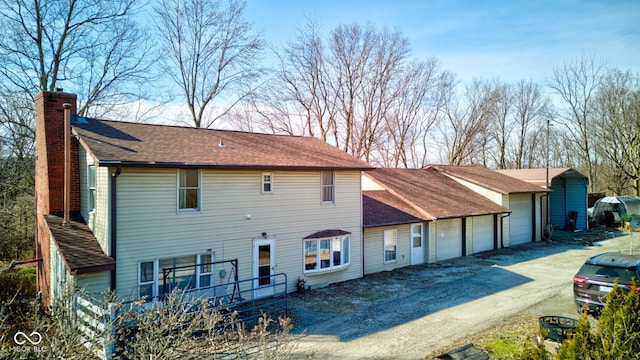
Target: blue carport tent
568,193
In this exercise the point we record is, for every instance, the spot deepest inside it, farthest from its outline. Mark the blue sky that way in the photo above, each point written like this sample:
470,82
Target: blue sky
511,40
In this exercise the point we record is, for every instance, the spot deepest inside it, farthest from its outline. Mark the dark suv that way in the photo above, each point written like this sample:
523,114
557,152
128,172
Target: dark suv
597,276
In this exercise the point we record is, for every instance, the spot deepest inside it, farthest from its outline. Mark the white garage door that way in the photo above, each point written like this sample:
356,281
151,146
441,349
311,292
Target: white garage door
482,233
520,219
448,239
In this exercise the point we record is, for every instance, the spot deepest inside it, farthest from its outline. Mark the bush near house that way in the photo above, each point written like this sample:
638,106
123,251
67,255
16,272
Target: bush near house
17,296
177,328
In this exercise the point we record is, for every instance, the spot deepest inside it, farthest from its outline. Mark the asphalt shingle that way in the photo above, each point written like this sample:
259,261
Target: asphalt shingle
135,144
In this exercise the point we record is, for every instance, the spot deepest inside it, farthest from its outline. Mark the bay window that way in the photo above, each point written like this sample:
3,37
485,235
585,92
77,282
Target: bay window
326,254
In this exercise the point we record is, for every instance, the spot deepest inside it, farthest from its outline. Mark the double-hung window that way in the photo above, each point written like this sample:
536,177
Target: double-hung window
267,183
390,245
91,187
188,190
328,187
416,235
326,254
205,271
147,280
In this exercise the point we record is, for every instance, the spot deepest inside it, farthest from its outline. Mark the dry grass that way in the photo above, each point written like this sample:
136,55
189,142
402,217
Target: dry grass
502,340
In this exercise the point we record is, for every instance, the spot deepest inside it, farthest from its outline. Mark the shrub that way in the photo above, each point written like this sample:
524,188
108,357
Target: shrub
17,298
185,329
534,349
178,328
618,332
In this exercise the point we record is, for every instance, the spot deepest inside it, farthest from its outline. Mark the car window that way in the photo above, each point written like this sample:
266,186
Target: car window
596,271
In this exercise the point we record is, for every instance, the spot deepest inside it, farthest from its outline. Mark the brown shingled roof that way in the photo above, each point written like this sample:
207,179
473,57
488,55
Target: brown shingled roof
488,178
134,144
433,195
79,248
380,207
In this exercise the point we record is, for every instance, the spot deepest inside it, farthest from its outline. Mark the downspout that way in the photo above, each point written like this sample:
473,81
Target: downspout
67,164
502,228
362,257
495,232
464,236
533,217
113,223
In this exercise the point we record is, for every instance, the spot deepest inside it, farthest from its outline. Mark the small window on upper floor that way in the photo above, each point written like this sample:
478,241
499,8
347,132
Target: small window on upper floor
328,187
188,190
267,183
91,187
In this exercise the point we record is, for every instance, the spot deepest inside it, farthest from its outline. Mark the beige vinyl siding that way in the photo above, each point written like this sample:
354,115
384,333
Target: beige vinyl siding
494,196
59,277
150,227
505,231
97,220
94,283
538,216
369,184
84,160
431,241
374,248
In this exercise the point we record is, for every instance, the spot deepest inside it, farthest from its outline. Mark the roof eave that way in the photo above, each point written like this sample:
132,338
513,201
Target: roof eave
393,223
472,215
93,269
170,165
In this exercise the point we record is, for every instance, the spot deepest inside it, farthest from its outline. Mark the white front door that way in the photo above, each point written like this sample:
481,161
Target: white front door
263,267
417,244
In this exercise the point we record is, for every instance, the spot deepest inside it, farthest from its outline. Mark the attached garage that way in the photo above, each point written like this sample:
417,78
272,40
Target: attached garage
520,221
434,217
483,233
448,238
522,198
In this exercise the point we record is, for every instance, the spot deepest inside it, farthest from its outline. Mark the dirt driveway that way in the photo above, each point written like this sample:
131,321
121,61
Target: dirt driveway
413,312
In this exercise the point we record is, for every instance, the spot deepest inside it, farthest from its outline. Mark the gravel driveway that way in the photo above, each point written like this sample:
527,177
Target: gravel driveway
412,312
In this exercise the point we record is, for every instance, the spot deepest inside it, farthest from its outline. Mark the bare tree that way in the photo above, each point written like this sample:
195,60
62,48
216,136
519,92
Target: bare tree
210,54
464,122
304,87
92,47
531,108
501,124
346,89
617,125
413,112
576,83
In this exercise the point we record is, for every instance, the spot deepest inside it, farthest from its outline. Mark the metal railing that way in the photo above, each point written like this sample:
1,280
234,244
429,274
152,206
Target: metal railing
246,299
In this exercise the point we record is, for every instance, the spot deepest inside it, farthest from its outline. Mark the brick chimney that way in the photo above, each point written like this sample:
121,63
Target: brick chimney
50,154
49,176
